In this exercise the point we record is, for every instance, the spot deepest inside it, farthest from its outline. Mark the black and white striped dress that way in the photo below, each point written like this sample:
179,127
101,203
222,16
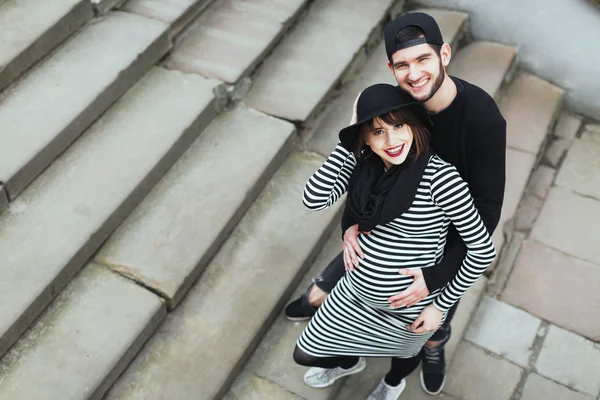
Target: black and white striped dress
356,319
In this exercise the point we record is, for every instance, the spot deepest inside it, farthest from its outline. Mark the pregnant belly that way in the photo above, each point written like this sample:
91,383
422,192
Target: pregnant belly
376,285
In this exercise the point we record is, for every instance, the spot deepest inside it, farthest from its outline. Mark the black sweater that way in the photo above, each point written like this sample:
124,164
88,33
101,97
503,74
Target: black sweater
471,135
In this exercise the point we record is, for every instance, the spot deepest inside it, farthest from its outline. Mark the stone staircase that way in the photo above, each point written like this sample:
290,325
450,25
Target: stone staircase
152,160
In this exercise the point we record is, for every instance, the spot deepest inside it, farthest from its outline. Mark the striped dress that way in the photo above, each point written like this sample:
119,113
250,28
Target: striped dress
356,319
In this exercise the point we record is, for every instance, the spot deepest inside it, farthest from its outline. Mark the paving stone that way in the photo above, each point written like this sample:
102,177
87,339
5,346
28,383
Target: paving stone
556,151
519,165
240,151
580,171
575,232
571,360
31,29
252,387
538,388
504,267
3,199
541,181
324,133
304,67
104,6
530,106
567,125
176,13
544,281
74,205
591,132
273,357
100,316
475,375
70,90
484,64
504,330
527,213
255,269
231,37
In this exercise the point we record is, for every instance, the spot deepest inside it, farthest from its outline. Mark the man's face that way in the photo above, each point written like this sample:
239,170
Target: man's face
419,70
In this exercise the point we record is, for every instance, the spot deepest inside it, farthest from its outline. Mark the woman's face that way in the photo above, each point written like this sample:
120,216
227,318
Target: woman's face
390,142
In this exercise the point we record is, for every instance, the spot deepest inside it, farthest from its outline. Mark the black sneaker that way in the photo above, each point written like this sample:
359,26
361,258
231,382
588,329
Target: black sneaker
300,309
433,370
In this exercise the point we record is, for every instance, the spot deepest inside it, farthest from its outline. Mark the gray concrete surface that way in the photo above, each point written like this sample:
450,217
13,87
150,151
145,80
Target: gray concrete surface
538,388
567,125
532,106
103,6
323,134
504,330
86,338
576,232
3,199
203,344
176,13
31,29
580,171
296,78
571,360
484,64
231,37
56,225
45,112
171,236
476,375
545,48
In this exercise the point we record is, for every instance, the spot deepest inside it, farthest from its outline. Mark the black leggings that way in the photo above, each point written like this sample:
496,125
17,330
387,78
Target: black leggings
401,367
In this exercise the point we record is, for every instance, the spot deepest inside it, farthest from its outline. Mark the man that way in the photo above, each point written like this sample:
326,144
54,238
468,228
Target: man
470,133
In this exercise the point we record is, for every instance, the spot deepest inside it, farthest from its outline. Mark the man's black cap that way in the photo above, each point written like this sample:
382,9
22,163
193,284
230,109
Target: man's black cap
424,21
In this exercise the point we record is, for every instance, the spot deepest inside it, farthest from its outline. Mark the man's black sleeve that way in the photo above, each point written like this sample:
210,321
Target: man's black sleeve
487,168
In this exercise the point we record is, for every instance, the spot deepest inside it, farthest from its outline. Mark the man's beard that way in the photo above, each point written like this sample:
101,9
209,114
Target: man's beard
436,84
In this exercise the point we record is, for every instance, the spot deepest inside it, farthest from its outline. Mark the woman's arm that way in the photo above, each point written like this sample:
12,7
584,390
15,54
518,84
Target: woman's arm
451,193
330,181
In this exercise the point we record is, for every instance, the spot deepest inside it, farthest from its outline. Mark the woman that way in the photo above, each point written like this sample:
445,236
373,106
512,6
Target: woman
403,197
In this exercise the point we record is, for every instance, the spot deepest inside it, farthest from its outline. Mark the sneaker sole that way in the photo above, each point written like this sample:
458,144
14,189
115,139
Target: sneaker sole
294,319
332,381
425,387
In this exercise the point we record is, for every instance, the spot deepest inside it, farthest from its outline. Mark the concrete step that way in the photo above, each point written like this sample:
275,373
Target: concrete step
530,106
104,6
60,221
43,113
323,134
3,199
272,365
485,64
238,153
176,13
83,341
202,345
315,55
231,37
30,29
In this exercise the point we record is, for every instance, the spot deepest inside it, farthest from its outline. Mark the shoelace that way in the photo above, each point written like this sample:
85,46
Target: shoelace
432,354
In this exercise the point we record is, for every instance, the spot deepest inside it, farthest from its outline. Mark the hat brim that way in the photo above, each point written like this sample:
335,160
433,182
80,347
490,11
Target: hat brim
349,134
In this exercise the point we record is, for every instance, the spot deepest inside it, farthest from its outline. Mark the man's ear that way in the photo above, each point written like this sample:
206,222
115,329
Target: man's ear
390,66
445,54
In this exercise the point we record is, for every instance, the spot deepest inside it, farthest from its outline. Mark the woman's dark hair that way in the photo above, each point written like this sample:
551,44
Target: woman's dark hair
420,131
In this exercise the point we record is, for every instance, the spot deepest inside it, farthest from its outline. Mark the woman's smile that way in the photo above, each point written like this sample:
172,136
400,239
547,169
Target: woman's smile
395,151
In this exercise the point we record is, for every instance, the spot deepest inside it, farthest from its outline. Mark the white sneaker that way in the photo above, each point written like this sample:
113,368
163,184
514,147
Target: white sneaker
387,392
323,377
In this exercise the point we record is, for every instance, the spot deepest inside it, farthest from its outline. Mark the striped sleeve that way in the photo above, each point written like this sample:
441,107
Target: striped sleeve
451,194
330,181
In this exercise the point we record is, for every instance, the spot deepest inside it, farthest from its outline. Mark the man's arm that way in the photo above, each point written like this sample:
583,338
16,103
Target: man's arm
487,164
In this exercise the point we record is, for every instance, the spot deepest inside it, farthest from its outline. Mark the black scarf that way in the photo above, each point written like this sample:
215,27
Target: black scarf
376,197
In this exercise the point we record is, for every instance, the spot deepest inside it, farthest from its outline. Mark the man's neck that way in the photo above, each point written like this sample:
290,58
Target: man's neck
443,97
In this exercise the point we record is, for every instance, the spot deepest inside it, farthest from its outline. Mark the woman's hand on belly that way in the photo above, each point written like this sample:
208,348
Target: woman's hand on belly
429,320
416,292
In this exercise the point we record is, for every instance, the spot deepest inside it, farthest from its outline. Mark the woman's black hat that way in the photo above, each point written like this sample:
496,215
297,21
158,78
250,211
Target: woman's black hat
377,100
